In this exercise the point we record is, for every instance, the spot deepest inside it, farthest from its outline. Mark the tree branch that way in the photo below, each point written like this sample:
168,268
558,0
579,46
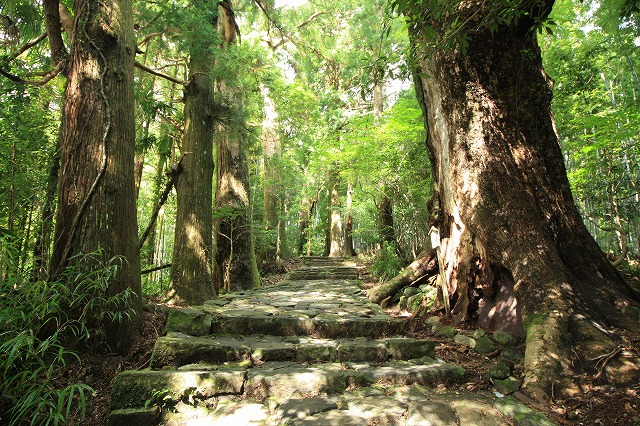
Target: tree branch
172,122
47,77
54,29
66,20
148,37
310,19
160,74
155,268
173,177
28,45
287,37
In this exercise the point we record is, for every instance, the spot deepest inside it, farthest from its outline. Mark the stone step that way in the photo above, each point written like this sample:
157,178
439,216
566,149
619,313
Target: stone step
324,308
322,273
141,388
326,325
178,349
328,261
393,405
132,389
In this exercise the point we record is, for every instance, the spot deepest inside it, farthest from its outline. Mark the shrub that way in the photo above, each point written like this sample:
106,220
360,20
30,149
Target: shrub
386,263
37,322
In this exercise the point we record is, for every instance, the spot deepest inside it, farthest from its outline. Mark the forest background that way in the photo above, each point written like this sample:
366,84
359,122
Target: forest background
316,106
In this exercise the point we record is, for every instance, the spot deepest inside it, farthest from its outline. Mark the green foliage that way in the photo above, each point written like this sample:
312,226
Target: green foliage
38,322
593,60
24,20
448,24
386,263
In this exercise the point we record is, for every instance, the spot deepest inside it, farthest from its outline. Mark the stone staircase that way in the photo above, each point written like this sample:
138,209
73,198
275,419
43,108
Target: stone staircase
310,351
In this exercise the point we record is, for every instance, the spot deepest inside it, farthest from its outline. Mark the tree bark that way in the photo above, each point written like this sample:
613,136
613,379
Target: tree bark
304,215
54,29
509,225
96,196
192,272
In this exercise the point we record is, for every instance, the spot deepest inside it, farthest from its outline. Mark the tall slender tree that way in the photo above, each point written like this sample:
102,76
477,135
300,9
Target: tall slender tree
336,233
235,260
192,270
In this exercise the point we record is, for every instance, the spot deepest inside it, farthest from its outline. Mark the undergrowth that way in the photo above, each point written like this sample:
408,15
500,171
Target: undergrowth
39,323
386,263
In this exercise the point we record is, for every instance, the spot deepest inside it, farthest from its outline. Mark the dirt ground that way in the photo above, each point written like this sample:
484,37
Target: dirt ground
600,403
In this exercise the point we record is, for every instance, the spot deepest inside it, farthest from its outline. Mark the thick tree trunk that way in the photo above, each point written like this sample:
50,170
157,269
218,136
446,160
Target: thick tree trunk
235,260
96,196
513,242
272,196
271,150
192,272
235,265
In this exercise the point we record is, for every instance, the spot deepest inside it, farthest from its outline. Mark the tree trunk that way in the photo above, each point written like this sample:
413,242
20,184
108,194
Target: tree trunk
235,267
510,230
148,244
348,223
336,232
271,150
326,216
304,216
96,196
43,233
281,242
191,273
386,230
235,260
385,221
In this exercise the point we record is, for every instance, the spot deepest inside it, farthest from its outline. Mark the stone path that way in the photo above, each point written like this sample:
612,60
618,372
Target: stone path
309,351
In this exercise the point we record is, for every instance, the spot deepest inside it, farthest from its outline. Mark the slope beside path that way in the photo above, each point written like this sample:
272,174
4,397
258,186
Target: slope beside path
309,351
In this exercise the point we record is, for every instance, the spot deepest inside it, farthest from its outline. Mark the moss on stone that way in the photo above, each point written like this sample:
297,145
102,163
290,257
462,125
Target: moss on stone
189,321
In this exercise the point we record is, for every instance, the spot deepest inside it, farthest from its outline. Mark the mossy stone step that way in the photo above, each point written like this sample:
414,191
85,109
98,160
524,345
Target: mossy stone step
177,349
393,405
311,275
327,325
133,389
281,380
317,316
327,261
